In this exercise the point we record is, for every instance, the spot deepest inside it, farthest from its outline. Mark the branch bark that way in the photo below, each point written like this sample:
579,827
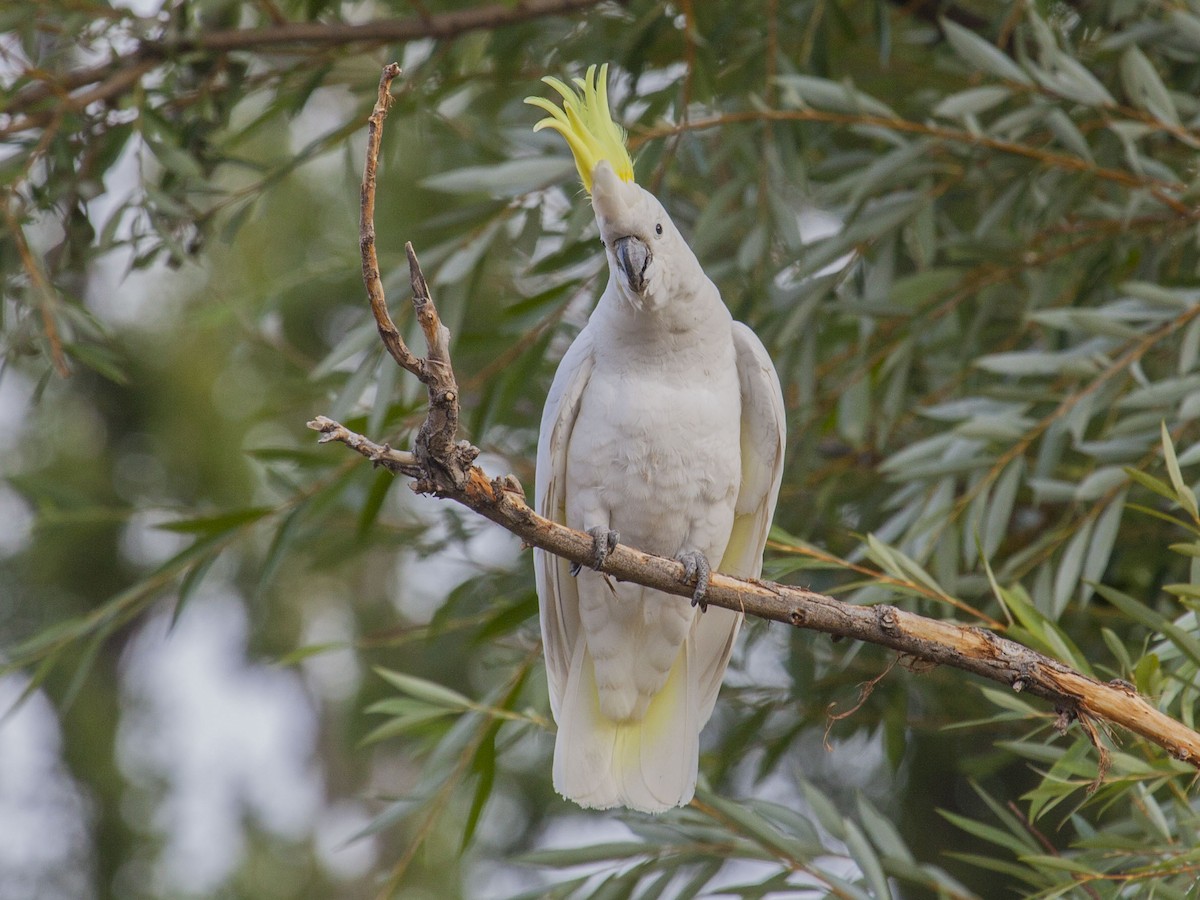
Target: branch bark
446,469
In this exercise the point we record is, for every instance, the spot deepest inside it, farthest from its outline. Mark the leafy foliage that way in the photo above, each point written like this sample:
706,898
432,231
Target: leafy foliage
968,242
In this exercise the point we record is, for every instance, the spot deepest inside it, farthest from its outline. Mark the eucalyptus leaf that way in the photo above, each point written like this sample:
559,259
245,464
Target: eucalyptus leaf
509,178
981,54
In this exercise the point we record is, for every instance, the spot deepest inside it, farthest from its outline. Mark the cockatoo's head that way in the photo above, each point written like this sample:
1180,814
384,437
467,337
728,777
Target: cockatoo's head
648,257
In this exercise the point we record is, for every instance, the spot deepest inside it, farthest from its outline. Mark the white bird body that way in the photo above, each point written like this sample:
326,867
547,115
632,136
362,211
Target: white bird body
650,458
664,423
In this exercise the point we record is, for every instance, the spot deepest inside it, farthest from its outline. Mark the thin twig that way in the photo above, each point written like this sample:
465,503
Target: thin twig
1157,187
388,333
685,96
281,37
1037,835
398,462
435,449
387,31
47,298
865,690
881,578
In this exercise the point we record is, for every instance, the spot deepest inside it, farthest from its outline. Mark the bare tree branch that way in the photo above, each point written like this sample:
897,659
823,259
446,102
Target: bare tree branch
445,469
119,75
442,25
435,450
40,284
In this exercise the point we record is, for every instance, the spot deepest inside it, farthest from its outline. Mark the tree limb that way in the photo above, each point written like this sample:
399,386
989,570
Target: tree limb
120,74
445,469
387,31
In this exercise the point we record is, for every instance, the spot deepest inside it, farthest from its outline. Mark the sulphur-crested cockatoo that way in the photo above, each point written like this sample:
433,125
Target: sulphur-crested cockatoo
664,425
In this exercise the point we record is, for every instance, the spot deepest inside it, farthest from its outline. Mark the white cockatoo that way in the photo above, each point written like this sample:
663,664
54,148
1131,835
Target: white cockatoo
664,429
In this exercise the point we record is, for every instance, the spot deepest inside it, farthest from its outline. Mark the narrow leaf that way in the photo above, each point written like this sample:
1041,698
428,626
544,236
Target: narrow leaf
429,691
1186,643
979,53
1184,495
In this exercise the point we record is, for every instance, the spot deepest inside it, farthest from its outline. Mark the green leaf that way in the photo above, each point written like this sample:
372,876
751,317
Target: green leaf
459,264
827,814
191,581
882,832
1187,644
1145,88
217,524
1104,539
1151,483
1064,863
971,101
413,720
421,689
1067,77
863,854
989,833
285,536
1184,495
484,764
800,90
1145,674
992,864
380,485
357,340
999,509
1038,362
1043,633
900,565
352,389
594,853
99,359
752,825
981,54
504,179
1070,567
83,667
310,650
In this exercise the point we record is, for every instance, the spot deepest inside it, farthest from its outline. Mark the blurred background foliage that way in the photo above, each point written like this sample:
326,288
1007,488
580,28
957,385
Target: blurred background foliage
967,233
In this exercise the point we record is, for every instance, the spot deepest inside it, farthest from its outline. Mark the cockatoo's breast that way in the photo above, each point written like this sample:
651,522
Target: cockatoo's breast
654,455
655,447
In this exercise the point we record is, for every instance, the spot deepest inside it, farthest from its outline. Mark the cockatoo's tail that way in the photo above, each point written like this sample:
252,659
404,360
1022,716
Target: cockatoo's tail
586,123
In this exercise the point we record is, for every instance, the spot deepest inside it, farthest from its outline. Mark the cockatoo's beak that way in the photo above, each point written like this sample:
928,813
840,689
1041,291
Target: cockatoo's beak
614,201
633,256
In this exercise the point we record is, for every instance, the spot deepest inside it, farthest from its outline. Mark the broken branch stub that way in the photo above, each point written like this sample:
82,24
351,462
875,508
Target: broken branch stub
446,461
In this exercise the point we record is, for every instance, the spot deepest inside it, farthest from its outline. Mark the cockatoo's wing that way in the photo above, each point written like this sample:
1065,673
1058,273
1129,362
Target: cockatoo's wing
558,593
762,440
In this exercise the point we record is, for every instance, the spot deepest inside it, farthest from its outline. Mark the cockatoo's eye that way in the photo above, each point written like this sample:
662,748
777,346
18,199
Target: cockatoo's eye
658,228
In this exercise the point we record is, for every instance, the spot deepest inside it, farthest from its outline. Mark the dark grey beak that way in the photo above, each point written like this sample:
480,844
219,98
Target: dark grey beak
633,256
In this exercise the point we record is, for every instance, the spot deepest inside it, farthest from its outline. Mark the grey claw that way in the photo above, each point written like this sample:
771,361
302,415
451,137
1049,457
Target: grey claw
696,566
604,541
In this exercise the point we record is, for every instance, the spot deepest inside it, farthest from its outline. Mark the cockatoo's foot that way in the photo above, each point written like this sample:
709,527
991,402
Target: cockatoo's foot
604,541
695,565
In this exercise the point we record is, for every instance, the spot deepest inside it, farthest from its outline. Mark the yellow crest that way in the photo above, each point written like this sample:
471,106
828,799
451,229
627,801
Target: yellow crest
587,124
